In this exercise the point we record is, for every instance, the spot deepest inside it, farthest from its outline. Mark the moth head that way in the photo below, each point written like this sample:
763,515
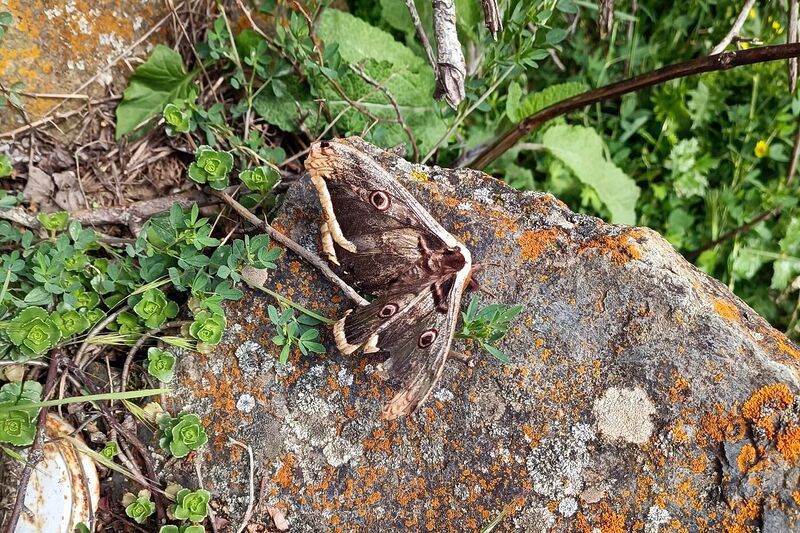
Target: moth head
452,259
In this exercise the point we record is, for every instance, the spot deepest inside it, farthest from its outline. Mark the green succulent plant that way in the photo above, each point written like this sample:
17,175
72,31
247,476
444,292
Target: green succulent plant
160,364
110,450
155,308
53,221
208,327
260,179
178,120
182,434
5,166
34,332
211,167
139,507
191,505
71,323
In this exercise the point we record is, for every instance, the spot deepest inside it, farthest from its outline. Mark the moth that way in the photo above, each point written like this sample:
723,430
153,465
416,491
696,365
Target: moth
391,246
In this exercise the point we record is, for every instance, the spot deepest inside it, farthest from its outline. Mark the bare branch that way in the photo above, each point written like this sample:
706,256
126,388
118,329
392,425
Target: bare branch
393,101
792,37
282,239
492,18
421,35
723,61
735,29
451,69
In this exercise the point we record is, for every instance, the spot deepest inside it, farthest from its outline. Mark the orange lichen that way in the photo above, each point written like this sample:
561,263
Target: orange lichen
763,406
789,443
611,522
746,458
796,496
285,477
787,347
727,310
719,426
744,512
698,464
622,248
533,243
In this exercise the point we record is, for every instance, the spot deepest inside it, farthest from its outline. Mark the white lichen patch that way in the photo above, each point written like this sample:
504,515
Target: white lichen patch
245,403
556,466
483,195
344,377
568,507
253,359
656,517
535,520
625,414
443,395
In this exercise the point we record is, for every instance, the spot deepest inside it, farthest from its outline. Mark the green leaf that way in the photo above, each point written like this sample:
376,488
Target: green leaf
518,108
154,84
581,149
396,68
495,352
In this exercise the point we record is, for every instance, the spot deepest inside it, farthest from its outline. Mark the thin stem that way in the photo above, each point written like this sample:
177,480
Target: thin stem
736,28
282,239
723,61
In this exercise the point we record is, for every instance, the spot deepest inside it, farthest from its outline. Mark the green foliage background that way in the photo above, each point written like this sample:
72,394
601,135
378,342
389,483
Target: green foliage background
688,146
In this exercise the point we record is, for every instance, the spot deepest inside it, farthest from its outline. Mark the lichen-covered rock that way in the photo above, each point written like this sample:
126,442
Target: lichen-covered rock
54,47
641,394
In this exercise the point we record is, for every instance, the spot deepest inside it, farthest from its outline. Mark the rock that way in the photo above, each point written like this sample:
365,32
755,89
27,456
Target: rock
55,47
641,394
39,189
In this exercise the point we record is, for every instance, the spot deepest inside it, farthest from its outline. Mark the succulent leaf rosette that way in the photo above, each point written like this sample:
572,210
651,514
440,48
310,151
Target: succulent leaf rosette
182,434
139,507
191,505
155,309
160,364
178,120
208,327
110,450
211,167
71,323
194,528
33,332
17,427
260,179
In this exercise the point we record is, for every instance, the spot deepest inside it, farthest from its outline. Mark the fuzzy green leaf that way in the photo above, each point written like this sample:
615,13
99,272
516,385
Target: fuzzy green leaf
154,84
581,149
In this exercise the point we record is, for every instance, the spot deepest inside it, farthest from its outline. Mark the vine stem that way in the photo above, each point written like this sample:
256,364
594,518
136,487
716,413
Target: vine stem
723,61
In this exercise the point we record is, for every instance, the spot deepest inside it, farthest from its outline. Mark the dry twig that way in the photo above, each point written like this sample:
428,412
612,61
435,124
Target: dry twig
282,239
723,61
400,120
735,29
451,69
421,35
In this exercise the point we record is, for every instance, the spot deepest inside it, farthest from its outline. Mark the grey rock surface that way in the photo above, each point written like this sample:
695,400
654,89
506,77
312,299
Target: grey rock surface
641,394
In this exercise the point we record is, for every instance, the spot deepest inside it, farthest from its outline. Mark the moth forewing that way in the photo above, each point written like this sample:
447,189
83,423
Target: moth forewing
419,293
